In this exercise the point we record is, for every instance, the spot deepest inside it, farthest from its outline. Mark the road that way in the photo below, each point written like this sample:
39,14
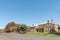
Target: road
15,36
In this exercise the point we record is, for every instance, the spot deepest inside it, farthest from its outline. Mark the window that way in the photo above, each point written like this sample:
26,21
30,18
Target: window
48,28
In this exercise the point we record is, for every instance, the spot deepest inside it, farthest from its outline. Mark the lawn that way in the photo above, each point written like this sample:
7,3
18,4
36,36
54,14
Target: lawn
42,34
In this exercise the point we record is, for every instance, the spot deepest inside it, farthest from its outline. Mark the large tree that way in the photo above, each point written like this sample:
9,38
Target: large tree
10,26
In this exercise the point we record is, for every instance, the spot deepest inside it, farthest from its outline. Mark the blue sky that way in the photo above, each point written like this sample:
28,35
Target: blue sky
29,11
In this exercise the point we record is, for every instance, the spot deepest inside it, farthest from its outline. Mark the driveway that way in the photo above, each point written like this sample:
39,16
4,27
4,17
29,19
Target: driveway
15,36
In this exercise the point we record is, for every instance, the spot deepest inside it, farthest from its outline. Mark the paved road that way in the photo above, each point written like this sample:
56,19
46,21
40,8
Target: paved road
14,36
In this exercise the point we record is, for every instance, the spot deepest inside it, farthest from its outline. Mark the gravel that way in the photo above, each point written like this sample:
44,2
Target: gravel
16,36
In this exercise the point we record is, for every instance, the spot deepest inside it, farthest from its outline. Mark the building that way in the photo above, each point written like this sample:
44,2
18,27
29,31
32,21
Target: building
49,26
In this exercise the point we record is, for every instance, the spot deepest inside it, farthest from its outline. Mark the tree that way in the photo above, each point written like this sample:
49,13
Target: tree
21,28
10,26
52,30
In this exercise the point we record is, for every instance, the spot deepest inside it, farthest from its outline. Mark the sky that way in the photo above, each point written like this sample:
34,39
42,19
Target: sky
29,11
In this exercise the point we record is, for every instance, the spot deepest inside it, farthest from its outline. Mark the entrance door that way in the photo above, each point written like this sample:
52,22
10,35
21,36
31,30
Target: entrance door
40,30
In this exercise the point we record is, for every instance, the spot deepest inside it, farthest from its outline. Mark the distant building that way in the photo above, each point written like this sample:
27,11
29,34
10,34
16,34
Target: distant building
47,27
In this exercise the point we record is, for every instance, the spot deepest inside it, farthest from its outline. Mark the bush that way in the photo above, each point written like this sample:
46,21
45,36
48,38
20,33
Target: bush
22,28
52,30
57,33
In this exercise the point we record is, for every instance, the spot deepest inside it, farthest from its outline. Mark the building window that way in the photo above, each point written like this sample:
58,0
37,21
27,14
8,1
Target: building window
48,28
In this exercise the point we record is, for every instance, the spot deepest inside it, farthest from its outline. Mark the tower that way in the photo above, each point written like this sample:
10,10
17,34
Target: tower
48,21
52,21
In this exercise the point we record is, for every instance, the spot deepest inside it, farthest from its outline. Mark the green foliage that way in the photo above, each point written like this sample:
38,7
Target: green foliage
57,33
52,31
42,34
21,28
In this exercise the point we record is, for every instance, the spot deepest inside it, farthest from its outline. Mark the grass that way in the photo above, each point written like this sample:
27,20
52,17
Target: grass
42,34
